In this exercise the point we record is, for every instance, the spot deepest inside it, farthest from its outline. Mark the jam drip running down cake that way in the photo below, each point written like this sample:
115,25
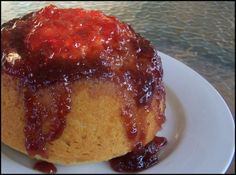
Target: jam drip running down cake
78,86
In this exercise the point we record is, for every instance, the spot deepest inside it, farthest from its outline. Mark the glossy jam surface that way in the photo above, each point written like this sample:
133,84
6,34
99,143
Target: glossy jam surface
51,48
140,158
45,167
45,120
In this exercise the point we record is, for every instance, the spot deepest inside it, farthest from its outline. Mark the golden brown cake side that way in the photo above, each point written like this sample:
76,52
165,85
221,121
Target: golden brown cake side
94,130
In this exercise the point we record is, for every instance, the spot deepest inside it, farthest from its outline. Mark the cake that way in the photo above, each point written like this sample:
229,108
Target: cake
78,86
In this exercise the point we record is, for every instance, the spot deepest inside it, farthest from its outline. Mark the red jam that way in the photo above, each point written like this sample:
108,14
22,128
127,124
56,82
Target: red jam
140,158
51,48
45,167
40,116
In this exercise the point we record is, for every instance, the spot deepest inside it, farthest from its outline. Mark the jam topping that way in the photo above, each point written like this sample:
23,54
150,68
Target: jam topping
142,157
45,167
51,48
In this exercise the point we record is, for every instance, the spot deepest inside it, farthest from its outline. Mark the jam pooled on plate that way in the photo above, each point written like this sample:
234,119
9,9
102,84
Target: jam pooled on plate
45,167
142,157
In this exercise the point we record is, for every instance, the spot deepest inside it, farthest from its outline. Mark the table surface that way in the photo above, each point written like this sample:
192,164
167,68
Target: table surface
199,34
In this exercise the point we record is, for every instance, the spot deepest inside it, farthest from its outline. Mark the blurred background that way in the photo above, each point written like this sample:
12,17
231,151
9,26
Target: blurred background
199,34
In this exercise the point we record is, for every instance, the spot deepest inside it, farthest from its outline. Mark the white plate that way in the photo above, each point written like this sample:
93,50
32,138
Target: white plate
199,127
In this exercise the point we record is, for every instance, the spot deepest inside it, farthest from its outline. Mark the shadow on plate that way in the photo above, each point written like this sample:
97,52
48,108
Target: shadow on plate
17,156
174,127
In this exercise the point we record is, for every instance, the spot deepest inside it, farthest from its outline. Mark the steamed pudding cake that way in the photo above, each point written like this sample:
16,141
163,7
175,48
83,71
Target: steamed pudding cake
78,86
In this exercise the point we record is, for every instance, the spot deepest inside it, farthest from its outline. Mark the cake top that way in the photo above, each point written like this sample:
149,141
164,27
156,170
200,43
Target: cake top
60,42
76,34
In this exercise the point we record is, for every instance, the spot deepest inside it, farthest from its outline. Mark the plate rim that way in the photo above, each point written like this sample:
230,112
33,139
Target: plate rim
213,89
